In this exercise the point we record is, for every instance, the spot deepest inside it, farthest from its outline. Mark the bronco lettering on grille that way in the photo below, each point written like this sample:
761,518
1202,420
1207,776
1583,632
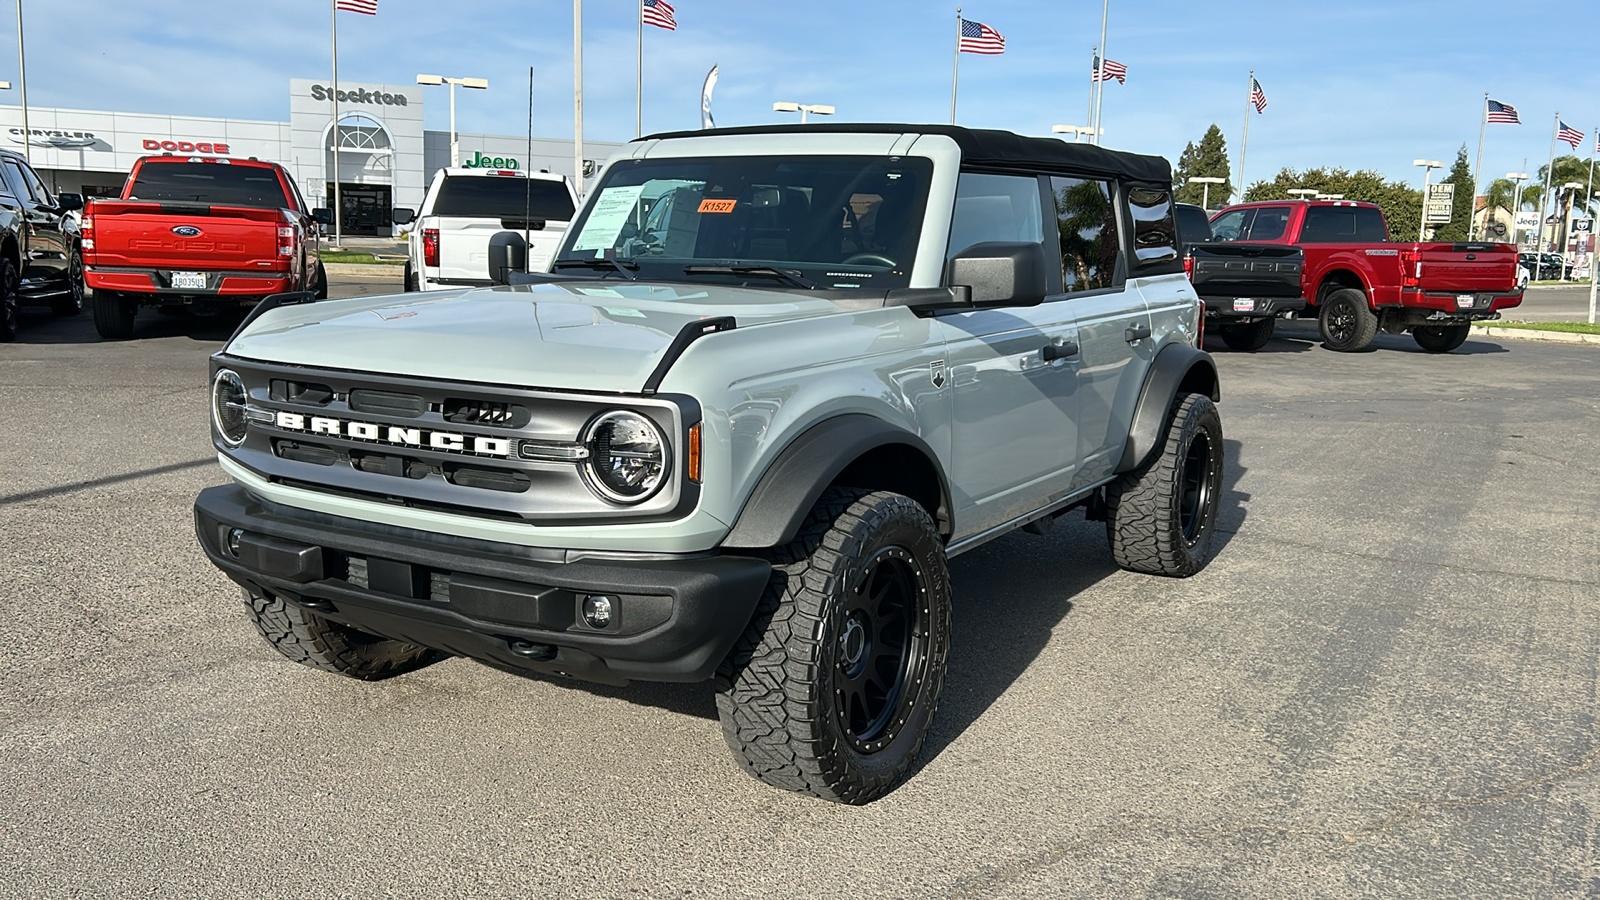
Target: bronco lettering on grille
392,434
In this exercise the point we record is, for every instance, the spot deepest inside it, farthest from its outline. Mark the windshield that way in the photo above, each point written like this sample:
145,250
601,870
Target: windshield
503,197
218,184
833,221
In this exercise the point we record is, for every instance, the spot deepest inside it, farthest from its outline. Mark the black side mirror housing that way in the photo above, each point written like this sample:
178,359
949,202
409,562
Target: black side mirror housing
323,215
402,215
1000,273
508,253
69,202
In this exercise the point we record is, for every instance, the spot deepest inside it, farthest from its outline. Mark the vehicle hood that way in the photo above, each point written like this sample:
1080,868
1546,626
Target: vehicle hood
576,336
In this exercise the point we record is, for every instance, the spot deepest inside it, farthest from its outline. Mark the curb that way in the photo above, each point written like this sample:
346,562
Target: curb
397,272
1533,334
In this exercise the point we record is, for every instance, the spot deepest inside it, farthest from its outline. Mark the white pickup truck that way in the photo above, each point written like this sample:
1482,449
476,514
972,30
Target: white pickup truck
449,242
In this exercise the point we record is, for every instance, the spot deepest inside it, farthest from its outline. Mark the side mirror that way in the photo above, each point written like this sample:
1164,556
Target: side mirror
69,202
508,253
402,215
323,215
1000,274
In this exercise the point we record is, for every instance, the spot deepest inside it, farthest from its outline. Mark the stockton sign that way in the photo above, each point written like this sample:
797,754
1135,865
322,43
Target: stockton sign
360,95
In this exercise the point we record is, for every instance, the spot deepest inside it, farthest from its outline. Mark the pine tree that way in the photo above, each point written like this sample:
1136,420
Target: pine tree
1460,224
1208,158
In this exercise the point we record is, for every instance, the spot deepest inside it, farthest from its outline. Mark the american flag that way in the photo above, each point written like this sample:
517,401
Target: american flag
1565,132
1258,97
1108,70
1504,113
977,37
659,14
366,7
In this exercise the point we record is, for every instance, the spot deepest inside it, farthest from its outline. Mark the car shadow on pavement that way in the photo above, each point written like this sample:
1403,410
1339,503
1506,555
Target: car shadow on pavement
1279,343
150,324
1010,596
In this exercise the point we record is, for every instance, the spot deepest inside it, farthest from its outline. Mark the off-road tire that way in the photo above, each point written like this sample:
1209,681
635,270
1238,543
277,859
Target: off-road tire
113,315
1161,518
1346,322
1440,338
321,288
411,284
71,302
10,299
311,640
793,693
1246,337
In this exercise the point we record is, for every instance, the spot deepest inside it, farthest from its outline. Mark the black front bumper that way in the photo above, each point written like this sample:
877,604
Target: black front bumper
1261,307
673,619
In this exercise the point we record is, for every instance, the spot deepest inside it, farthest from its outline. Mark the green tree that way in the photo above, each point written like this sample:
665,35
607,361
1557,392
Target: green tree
1568,170
1210,159
1500,192
1401,203
1460,224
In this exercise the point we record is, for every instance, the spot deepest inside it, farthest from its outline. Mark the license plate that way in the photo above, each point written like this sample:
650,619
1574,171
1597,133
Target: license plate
1244,306
194,281
1465,301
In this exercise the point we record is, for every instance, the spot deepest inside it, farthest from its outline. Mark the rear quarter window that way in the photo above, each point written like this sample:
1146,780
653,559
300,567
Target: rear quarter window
503,197
1343,225
1155,232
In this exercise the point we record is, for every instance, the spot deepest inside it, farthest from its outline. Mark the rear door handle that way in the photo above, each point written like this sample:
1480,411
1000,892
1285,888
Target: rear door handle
1136,333
1064,350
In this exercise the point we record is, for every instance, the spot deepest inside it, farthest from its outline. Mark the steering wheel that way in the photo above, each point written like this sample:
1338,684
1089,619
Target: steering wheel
856,259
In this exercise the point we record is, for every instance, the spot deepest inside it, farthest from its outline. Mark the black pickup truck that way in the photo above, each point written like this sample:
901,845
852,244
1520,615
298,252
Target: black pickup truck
1245,287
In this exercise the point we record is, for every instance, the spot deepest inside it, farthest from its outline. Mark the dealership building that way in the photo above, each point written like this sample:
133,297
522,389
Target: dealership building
385,157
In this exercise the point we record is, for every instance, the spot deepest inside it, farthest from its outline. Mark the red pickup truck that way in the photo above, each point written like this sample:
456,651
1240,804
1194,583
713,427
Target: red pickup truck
1357,282
199,234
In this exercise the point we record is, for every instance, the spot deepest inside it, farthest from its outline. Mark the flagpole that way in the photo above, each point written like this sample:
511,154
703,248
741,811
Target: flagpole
338,201
955,70
577,96
1477,166
1100,81
1094,68
1549,177
1244,144
527,189
638,97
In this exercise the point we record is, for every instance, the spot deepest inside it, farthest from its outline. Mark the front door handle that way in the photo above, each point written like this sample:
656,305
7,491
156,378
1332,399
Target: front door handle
1136,333
1064,350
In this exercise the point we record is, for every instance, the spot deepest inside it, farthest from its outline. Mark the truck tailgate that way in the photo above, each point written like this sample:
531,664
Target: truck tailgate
1465,268
464,246
1247,270
185,236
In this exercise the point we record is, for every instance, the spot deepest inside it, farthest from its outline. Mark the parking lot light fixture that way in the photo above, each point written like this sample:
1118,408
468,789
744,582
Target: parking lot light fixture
1205,192
1428,165
817,109
1088,131
435,80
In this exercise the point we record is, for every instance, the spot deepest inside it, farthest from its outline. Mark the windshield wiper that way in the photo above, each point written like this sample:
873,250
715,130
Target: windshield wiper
599,262
769,271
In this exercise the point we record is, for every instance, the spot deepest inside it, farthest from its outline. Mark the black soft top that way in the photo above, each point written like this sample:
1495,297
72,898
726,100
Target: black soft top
985,147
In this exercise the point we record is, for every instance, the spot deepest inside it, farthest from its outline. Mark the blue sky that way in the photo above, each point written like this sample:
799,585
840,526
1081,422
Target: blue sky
1359,84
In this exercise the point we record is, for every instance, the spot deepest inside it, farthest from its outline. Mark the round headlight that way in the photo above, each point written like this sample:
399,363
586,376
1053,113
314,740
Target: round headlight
228,399
627,456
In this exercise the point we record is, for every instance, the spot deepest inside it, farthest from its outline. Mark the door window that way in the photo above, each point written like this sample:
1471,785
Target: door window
40,192
17,183
1232,225
1087,222
995,208
1269,223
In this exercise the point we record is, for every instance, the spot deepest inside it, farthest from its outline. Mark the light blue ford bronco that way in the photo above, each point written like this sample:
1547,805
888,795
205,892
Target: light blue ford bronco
774,379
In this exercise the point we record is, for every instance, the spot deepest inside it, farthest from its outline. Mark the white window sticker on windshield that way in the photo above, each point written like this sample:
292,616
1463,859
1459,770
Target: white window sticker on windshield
610,212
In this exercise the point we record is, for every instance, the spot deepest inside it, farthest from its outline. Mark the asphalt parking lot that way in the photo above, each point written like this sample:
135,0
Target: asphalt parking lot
1383,686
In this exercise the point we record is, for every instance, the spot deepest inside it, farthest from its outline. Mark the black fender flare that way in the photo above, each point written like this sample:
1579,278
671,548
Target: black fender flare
786,491
1177,368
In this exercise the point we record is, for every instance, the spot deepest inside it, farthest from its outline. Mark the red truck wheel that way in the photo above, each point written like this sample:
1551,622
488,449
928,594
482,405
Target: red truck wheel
1347,323
113,315
1440,338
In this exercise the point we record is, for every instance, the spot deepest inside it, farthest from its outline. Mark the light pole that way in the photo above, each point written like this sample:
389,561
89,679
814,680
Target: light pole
1088,131
1304,193
1566,233
475,83
803,109
1205,192
1516,178
1428,165
22,71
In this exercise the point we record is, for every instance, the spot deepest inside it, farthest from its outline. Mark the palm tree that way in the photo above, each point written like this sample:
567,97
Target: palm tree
1501,192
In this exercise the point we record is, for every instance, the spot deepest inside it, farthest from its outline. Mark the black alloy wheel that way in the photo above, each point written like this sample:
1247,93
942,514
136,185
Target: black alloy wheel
1201,470
1347,323
882,650
71,302
1440,338
10,284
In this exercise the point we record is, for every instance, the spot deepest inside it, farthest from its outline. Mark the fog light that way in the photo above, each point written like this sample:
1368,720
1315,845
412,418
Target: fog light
234,536
597,611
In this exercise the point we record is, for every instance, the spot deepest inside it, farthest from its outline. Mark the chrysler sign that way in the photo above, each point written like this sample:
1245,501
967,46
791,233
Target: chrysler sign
44,137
